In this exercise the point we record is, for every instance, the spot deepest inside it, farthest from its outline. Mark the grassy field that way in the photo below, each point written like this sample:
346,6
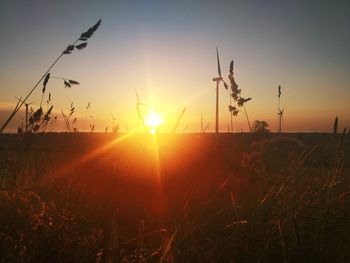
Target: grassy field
175,198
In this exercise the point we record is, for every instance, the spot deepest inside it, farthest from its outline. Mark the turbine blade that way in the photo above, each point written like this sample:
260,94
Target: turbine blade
19,99
137,97
218,60
26,103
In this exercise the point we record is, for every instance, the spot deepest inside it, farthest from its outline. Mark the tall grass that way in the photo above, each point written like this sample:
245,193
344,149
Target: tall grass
79,44
276,199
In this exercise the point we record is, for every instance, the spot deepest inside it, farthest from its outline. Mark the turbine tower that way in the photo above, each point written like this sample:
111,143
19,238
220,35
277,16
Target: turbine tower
139,113
27,111
217,80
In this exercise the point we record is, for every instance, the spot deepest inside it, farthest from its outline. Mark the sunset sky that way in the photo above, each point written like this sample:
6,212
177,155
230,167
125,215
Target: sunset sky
166,51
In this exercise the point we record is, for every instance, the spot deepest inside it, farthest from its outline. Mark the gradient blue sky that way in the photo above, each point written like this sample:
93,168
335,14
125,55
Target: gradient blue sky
166,51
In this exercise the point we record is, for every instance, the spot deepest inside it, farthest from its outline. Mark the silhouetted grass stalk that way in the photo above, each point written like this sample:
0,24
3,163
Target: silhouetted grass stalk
113,246
246,115
140,240
18,107
83,37
66,121
178,120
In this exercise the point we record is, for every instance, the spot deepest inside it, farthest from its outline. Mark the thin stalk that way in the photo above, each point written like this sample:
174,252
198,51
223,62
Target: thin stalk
206,127
282,242
202,122
41,100
279,112
112,250
140,240
278,116
66,121
178,120
231,114
246,115
54,77
30,92
140,117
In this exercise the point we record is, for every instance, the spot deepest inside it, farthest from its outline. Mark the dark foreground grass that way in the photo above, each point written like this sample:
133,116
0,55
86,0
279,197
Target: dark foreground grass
184,198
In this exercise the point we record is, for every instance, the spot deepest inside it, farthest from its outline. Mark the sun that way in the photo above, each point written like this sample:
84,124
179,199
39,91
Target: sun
153,120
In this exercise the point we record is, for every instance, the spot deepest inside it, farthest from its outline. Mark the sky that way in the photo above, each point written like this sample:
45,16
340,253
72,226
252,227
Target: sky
165,50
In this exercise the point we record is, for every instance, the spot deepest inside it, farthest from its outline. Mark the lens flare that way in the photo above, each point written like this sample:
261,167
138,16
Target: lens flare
153,120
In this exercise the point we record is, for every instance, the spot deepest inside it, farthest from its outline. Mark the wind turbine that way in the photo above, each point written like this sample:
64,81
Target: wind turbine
138,109
217,80
26,104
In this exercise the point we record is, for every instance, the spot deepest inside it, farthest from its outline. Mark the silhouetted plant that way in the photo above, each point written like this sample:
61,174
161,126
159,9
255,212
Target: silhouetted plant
78,44
49,98
70,125
115,127
279,111
235,93
335,126
178,120
38,121
203,128
46,80
92,128
40,232
67,83
260,127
